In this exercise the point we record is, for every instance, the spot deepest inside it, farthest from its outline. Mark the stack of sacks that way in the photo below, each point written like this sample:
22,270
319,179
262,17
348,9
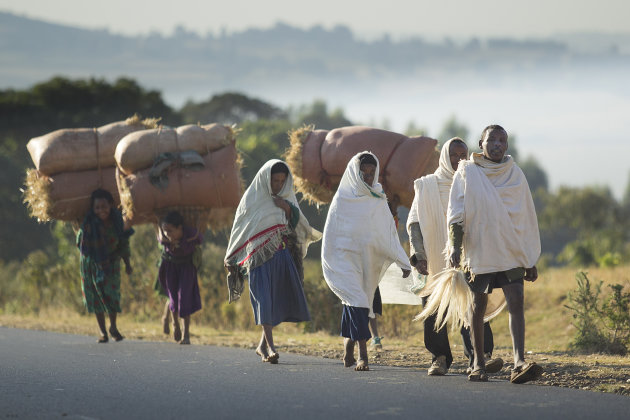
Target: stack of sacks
318,158
70,164
193,169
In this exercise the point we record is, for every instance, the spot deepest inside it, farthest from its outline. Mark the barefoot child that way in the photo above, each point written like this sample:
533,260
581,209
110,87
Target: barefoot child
268,241
178,271
360,242
103,241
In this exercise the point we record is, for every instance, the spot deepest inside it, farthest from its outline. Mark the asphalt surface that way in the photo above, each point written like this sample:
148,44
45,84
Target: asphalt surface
49,375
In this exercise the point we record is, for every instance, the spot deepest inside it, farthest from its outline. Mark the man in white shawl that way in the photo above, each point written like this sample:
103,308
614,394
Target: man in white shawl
493,233
269,239
360,243
428,235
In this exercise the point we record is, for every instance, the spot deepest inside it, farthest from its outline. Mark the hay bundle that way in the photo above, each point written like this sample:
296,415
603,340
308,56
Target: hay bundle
138,150
66,196
71,163
451,300
318,159
206,197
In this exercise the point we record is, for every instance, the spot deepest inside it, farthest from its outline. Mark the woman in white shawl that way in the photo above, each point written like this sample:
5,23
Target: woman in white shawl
428,236
360,242
269,238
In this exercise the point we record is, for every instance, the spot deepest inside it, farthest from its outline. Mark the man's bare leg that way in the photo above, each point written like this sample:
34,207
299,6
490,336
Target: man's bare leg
166,318
186,338
374,326
261,350
273,354
362,364
514,298
348,352
480,301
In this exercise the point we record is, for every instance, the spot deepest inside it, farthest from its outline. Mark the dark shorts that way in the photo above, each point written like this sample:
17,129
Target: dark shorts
484,283
377,304
355,323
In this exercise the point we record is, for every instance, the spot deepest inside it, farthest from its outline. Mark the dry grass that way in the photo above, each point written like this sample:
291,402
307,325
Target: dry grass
37,195
314,193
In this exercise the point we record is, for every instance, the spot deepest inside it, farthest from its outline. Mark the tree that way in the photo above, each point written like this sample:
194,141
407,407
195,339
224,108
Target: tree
230,108
317,114
535,174
453,128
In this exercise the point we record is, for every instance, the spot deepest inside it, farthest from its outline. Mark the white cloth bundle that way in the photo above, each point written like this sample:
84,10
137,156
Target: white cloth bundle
360,238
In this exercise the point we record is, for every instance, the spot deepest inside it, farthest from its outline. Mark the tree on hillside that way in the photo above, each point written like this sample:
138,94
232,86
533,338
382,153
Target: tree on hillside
318,115
65,103
586,224
453,128
230,108
535,174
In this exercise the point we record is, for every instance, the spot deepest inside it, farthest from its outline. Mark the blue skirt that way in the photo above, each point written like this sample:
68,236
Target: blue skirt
276,291
355,323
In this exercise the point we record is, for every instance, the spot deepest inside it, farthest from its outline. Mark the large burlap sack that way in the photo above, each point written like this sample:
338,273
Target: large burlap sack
319,158
217,188
138,150
66,196
79,149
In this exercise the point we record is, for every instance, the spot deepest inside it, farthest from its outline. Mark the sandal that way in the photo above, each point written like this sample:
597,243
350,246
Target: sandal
525,373
478,375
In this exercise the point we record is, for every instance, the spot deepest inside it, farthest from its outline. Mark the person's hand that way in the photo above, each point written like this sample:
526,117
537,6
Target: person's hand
279,202
531,274
456,255
405,273
128,269
421,266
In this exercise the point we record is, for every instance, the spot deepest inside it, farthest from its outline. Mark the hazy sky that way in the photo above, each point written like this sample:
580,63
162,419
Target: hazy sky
400,18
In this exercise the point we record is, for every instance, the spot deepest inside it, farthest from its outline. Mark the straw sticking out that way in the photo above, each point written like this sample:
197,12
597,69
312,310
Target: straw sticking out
312,192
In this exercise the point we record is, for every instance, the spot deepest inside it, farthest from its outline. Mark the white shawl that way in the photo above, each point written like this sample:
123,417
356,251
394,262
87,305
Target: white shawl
259,224
360,239
429,206
494,205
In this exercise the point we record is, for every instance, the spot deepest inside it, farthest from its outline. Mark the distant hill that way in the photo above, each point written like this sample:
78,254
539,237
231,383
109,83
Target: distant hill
186,64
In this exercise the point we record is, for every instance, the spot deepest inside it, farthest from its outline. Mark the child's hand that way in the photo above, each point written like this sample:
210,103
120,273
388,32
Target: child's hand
405,273
128,269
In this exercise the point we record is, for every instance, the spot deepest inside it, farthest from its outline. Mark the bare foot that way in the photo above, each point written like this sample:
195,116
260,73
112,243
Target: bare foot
273,358
348,353
348,360
116,335
362,365
177,332
262,352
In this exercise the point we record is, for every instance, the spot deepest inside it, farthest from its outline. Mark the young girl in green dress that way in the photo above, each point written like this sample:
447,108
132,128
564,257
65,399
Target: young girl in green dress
103,241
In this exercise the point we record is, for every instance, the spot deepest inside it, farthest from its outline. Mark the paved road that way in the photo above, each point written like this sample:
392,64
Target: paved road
50,375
